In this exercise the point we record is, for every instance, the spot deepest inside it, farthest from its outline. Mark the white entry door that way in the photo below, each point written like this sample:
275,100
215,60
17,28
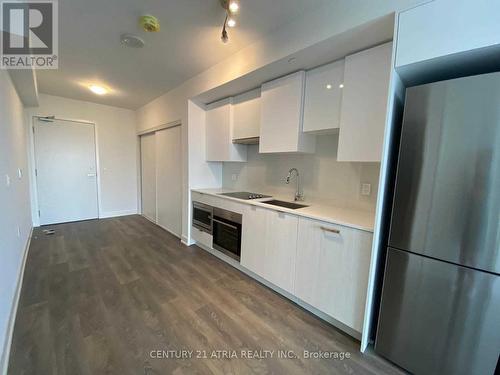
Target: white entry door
66,172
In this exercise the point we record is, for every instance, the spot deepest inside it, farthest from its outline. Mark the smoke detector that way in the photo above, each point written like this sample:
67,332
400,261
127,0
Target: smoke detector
131,40
149,23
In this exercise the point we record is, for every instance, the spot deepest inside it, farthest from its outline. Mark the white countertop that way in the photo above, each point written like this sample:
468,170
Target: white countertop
363,220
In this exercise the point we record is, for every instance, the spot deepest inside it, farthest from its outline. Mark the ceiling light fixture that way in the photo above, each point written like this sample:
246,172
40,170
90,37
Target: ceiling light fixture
231,7
99,90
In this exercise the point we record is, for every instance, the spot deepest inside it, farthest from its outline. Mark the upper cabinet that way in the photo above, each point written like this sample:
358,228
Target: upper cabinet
246,127
323,98
282,112
219,134
447,29
364,104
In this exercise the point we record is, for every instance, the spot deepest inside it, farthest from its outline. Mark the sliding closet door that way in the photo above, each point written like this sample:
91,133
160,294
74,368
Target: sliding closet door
148,176
169,179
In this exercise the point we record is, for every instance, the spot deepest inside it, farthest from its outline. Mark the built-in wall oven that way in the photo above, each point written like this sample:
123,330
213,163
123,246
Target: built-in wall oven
226,232
202,217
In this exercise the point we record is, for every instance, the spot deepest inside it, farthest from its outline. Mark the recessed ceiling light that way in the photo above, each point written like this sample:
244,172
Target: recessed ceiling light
231,22
99,90
328,87
341,86
234,6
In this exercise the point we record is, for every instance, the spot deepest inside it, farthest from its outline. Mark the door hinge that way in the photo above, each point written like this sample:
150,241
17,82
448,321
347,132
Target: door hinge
36,172
33,129
38,213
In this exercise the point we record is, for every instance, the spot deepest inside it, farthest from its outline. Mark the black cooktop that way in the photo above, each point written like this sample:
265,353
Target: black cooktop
245,195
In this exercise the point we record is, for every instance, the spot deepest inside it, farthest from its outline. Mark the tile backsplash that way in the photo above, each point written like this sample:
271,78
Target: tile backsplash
323,178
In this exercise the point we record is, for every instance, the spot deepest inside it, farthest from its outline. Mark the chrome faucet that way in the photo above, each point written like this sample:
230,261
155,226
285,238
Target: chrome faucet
299,195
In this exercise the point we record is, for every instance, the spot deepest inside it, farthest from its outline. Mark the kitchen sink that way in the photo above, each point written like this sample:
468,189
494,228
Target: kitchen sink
290,205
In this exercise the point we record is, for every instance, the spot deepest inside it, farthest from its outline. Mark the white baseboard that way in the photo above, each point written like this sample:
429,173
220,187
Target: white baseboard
162,227
186,241
4,364
107,214
169,231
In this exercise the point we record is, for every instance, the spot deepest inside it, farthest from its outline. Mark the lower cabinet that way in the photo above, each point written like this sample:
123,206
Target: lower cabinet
253,240
202,237
332,270
269,245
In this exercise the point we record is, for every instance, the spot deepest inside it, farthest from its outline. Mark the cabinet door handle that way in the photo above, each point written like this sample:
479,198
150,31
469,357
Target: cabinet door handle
331,230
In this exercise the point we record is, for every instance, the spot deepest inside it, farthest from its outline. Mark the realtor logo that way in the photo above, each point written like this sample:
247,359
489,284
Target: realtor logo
29,35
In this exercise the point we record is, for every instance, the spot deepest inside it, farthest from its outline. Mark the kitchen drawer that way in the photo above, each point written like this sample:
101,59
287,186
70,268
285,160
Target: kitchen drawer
201,237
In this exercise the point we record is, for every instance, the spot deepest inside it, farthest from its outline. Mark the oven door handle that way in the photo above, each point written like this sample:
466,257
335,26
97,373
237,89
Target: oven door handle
226,224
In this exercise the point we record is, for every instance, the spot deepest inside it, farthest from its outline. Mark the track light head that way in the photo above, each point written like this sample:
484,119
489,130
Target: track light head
224,37
233,6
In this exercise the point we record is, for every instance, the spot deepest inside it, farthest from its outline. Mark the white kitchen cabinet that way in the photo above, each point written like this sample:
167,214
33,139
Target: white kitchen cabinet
201,237
253,240
269,244
282,112
246,116
281,249
446,27
323,98
332,270
219,134
364,104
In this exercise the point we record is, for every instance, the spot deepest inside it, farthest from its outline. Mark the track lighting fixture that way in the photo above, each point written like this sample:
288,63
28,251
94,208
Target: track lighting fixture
224,37
231,7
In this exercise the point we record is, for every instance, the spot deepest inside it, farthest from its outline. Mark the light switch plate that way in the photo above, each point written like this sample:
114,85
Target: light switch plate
7,180
366,189
234,177
19,173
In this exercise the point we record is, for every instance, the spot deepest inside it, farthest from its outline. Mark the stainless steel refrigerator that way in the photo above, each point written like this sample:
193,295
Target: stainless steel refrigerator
440,306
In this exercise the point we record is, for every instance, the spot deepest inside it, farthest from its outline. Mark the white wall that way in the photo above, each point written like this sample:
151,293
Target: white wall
117,150
313,27
324,179
14,203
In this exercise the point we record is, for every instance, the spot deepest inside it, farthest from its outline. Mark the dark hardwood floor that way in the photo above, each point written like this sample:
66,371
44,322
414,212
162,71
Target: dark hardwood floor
102,296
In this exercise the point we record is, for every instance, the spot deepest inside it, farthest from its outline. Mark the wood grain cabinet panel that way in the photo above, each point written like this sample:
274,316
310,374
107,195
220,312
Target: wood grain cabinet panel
332,269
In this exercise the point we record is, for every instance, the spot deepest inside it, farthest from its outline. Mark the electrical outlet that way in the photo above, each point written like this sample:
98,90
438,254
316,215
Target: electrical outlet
7,180
234,177
366,189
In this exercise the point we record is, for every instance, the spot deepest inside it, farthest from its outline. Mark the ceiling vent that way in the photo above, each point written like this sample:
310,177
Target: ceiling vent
132,41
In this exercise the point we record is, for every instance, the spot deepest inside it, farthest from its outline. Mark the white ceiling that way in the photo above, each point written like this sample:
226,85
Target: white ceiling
188,43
